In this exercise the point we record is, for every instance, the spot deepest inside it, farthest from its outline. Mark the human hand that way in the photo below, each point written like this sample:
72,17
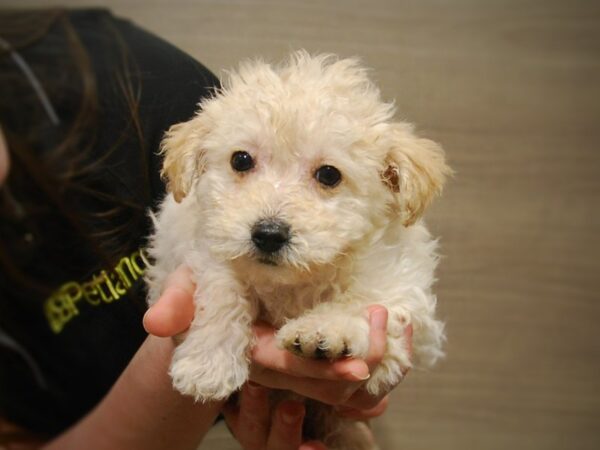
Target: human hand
256,427
337,383
174,311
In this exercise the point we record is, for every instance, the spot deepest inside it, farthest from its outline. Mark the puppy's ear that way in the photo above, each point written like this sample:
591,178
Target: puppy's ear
415,170
184,158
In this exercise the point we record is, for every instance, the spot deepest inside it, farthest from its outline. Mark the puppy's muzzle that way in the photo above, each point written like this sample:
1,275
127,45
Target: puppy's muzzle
270,235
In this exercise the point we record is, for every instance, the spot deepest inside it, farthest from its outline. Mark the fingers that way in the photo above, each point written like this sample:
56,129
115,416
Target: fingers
268,356
364,414
326,391
256,428
286,430
378,316
250,421
362,405
361,400
174,310
408,334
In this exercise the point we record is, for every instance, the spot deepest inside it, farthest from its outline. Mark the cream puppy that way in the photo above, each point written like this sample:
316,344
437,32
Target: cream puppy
295,198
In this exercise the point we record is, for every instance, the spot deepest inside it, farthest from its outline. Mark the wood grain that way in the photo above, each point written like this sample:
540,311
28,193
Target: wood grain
511,89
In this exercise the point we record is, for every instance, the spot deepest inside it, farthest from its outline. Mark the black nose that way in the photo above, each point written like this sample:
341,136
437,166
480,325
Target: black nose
270,235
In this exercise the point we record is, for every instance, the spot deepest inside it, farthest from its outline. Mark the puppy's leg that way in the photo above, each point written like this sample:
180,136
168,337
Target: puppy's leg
212,361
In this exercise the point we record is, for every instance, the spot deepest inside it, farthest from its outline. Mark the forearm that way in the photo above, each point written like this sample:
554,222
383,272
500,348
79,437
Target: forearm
142,411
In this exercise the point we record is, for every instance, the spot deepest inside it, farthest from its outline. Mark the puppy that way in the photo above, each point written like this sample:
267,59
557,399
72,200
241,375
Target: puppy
296,199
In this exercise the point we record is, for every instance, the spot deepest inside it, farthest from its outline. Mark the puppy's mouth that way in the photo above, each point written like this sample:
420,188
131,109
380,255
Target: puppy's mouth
267,261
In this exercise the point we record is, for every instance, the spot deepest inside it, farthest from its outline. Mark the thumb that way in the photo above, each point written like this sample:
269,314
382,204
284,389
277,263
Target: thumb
174,310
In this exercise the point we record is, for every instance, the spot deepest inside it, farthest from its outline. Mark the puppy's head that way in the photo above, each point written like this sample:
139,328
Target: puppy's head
297,165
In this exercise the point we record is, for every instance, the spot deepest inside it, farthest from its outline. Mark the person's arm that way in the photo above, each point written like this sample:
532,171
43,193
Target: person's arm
142,410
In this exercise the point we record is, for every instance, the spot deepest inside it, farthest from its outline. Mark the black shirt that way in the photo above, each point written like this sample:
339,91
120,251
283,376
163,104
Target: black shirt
64,343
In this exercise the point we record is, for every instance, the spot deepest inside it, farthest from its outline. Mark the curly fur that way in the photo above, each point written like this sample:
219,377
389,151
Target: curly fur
361,242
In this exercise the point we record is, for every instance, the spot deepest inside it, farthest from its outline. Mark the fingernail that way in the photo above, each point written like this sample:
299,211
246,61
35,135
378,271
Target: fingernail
289,419
359,377
148,311
358,371
291,413
145,318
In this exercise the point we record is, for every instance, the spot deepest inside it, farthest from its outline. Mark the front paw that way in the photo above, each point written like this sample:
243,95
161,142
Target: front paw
325,336
211,377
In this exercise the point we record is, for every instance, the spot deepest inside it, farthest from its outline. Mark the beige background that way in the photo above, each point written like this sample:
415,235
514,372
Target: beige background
512,90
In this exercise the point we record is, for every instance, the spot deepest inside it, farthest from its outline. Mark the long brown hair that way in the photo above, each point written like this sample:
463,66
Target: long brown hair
68,165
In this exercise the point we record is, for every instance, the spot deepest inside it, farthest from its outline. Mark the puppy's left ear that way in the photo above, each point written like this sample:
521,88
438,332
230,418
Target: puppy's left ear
415,171
184,157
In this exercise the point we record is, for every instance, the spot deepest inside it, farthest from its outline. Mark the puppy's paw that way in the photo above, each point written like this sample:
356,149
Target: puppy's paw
207,378
325,336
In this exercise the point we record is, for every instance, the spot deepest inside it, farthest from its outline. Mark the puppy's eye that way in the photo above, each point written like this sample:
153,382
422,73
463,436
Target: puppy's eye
241,161
328,176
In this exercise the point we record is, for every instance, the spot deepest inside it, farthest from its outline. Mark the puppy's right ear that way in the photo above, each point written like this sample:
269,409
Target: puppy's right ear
184,157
